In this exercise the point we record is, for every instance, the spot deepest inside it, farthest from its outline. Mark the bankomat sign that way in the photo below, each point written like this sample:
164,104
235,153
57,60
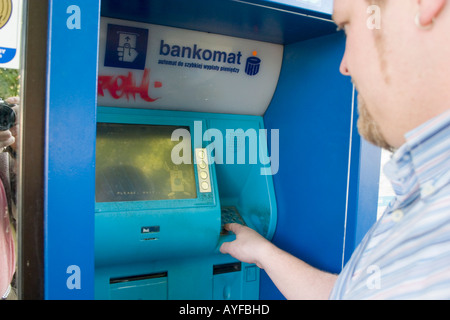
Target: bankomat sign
151,66
126,47
204,57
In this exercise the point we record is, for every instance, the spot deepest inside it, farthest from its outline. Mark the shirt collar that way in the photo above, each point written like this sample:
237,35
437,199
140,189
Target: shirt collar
420,165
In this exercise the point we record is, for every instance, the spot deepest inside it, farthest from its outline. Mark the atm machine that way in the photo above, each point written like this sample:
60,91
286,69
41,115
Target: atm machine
180,153
166,119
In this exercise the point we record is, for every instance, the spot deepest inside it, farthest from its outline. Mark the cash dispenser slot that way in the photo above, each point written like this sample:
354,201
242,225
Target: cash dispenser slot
143,287
227,268
138,278
227,281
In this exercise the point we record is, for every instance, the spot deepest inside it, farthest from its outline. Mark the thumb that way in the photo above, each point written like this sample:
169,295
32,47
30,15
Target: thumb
224,248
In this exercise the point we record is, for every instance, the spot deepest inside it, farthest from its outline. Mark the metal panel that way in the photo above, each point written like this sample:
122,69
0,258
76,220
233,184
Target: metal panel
313,109
30,274
70,149
260,20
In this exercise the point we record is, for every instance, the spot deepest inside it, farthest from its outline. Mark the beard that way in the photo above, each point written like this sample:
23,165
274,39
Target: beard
368,128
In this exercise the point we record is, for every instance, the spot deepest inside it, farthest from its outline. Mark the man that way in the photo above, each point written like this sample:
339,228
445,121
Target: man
401,73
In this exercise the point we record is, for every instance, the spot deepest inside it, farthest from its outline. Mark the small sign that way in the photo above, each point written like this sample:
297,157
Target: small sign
10,33
152,229
151,66
126,47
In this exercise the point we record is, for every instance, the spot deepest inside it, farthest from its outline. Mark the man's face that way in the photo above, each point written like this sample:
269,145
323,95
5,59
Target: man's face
368,59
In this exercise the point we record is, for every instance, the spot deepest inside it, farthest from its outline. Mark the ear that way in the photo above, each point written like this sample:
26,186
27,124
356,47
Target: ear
429,10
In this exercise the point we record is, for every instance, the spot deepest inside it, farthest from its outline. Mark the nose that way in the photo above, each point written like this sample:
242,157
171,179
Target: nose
343,67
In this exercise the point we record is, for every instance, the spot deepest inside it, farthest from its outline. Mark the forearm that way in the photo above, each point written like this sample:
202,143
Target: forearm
295,279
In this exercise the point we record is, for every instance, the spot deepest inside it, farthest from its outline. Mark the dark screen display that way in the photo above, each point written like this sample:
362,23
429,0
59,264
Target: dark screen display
134,163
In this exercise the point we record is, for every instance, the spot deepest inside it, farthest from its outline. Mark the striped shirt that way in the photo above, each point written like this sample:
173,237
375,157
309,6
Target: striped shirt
406,254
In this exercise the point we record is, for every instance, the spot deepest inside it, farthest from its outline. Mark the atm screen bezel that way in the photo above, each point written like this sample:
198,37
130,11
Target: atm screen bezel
162,118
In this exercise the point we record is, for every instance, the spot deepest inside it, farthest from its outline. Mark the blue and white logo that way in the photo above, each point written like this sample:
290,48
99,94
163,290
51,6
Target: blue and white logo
252,66
126,47
7,54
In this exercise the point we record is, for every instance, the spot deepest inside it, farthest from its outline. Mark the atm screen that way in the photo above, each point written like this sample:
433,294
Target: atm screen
133,163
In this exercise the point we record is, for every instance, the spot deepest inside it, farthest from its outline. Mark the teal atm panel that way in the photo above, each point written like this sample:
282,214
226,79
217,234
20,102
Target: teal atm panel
199,278
245,170
148,207
158,227
240,281
181,150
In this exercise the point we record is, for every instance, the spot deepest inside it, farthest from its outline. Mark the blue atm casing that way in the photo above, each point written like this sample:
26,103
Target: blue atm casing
326,188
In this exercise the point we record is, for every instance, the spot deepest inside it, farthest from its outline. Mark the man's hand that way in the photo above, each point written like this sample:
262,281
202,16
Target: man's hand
248,247
293,277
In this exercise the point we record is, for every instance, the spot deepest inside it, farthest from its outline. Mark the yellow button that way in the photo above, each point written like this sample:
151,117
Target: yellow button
203,175
202,165
205,185
201,154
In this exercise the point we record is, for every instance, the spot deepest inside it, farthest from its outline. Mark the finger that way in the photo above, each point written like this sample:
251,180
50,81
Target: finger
14,130
5,135
233,227
7,142
16,109
13,100
225,247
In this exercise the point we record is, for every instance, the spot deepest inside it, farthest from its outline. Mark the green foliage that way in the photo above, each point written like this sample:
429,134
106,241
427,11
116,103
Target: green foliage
9,83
